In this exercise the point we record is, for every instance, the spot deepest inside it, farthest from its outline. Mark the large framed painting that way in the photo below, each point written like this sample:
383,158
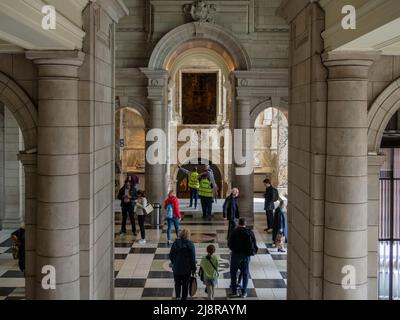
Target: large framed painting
199,98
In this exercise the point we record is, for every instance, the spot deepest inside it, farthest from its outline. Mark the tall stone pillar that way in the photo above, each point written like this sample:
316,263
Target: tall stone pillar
245,182
156,174
57,224
346,198
2,205
29,162
375,162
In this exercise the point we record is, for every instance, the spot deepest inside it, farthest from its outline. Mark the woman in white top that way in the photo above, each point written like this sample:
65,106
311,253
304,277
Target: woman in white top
141,203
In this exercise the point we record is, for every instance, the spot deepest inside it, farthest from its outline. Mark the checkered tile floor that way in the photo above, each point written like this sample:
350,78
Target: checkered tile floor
12,282
143,271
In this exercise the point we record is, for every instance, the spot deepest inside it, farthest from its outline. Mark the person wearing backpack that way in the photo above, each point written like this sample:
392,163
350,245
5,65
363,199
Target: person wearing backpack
174,216
209,271
270,197
183,260
243,245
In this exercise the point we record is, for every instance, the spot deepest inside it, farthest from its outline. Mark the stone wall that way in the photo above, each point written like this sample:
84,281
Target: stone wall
96,154
307,149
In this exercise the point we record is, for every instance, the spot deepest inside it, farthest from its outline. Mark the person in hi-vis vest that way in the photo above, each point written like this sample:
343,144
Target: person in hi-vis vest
206,194
193,185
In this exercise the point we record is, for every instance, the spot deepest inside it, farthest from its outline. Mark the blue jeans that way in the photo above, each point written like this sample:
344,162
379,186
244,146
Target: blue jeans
206,206
193,196
174,221
242,262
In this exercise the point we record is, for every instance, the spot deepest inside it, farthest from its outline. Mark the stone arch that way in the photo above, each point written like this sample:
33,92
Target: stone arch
136,106
194,33
22,108
380,113
257,109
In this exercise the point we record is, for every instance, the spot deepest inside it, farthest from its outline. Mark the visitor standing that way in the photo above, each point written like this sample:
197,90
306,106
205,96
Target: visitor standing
231,210
206,197
194,185
18,238
270,197
127,196
183,260
174,216
209,270
140,206
279,232
243,245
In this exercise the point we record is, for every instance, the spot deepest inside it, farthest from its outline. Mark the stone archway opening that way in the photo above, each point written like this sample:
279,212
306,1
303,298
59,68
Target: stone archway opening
130,130
383,193
19,135
271,150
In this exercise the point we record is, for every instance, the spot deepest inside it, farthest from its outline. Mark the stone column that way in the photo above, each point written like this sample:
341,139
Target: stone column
57,228
346,196
375,162
245,183
156,174
29,162
2,206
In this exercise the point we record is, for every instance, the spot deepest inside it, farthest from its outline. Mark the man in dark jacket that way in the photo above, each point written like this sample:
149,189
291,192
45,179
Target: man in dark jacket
127,196
271,196
231,210
243,245
183,259
18,237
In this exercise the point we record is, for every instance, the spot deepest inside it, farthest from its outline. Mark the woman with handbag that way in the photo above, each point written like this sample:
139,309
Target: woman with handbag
183,259
140,206
209,271
171,204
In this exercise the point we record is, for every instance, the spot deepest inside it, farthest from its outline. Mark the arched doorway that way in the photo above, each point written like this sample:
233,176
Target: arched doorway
384,191
21,108
182,182
271,150
130,146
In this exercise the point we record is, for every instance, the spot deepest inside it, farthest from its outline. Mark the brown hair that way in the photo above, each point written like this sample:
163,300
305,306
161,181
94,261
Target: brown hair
210,249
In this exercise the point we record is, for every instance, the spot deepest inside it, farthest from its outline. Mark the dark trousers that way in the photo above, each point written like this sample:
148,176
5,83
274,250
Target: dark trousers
193,197
128,210
141,225
241,262
270,218
206,206
182,286
231,227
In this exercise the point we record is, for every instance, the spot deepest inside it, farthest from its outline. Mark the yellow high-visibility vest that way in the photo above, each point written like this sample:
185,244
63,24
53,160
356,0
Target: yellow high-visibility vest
194,180
205,189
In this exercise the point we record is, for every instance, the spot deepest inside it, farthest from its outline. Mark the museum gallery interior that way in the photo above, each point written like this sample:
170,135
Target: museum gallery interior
88,88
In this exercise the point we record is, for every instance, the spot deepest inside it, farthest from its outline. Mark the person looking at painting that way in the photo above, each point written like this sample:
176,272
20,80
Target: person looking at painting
194,185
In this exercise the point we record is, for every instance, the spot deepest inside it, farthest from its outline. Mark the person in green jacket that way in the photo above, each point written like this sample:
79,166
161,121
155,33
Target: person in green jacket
209,264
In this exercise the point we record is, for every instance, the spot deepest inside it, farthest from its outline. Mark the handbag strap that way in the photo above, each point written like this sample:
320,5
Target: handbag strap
209,259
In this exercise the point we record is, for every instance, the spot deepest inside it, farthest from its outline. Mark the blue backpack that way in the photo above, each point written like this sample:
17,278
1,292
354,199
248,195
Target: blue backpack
169,212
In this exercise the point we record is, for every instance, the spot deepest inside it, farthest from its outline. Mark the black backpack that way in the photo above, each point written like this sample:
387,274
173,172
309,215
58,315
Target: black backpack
275,195
252,249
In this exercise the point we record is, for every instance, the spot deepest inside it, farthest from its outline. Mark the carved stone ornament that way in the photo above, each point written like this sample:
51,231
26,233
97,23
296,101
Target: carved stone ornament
201,11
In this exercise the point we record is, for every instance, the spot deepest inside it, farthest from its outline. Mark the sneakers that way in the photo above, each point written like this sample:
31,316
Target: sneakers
142,241
244,295
122,234
269,230
170,242
281,250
